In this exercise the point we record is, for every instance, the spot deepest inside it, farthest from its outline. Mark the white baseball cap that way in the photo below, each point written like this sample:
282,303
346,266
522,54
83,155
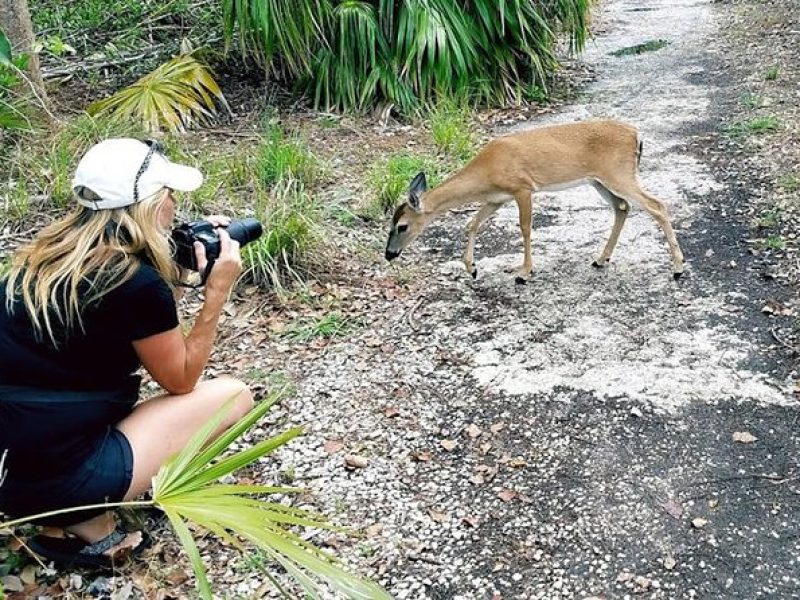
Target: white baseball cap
122,171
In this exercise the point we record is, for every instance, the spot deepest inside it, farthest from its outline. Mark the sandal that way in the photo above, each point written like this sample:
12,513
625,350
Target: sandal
74,552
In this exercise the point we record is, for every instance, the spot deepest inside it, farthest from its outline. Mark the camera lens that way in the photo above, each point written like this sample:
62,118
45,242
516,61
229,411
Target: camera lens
245,231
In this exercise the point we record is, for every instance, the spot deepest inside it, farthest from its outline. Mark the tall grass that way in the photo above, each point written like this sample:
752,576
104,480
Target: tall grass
292,231
356,53
284,157
389,178
451,129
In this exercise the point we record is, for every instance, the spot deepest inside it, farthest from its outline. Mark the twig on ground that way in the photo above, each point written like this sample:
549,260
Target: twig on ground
410,314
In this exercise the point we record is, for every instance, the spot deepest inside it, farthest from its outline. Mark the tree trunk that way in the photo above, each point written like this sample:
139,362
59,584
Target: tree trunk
15,21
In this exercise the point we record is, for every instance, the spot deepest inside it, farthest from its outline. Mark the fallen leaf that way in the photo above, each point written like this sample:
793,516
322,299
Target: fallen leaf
699,522
517,463
473,431
438,517
507,495
390,411
423,456
28,575
669,562
332,446
449,445
374,529
673,507
471,521
713,503
354,461
477,479
497,427
743,437
485,448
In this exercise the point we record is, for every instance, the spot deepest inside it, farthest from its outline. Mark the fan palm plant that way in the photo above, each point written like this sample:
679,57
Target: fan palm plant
179,94
186,489
355,53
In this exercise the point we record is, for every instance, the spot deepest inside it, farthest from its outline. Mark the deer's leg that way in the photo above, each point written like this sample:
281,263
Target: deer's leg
632,191
524,203
621,209
486,211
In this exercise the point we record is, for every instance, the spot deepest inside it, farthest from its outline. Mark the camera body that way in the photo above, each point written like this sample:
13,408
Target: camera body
185,235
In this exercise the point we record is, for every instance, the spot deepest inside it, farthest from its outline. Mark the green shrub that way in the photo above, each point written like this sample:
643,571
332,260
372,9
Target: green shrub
355,54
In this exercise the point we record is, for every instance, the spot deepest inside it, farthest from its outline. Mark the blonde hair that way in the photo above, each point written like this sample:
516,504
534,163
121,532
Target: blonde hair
77,260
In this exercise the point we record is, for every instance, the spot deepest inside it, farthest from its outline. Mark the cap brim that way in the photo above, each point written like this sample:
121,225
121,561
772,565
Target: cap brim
183,178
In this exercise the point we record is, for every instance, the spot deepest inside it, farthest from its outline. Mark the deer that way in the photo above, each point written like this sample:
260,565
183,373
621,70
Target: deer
602,153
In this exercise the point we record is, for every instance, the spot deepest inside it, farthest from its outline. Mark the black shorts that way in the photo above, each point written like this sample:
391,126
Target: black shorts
63,451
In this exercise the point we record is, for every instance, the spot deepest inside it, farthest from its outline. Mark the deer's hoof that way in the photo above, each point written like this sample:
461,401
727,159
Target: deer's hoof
597,264
519,280
677,275
474,273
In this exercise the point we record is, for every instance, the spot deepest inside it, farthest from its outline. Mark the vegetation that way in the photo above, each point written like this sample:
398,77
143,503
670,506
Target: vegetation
389,179
357,53
451,129
756,125
649,46
178,95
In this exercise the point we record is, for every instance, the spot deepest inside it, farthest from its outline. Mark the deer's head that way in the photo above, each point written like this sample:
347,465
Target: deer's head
409,219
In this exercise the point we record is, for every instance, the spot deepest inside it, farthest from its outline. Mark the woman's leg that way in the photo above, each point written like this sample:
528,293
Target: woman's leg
160,427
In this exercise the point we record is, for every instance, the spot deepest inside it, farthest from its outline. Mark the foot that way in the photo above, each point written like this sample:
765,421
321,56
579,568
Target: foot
73,551
600,262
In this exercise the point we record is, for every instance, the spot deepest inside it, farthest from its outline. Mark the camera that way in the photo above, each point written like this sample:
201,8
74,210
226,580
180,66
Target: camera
184,236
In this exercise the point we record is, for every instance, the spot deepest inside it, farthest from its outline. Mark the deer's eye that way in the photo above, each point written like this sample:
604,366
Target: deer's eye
402,228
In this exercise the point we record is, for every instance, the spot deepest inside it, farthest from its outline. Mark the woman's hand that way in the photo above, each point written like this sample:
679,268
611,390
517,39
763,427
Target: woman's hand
218,220
227,266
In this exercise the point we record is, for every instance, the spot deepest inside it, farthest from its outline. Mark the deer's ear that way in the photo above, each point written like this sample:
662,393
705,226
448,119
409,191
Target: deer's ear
418,186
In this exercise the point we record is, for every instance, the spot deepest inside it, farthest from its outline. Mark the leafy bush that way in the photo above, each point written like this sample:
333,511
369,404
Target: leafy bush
355,53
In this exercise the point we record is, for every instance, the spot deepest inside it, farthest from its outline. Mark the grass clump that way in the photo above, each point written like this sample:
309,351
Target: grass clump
283,157
789,182
648,46
450,127
774,242
329,326
292,230
389,179
768,218
772,73
755,126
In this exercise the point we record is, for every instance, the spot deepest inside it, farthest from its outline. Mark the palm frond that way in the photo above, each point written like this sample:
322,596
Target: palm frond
186,490
177,95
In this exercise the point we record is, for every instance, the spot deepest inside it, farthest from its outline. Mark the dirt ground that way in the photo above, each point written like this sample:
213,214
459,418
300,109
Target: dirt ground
595,433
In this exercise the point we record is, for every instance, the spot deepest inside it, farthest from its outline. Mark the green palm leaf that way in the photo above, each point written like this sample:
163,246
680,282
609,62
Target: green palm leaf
186,490
5,49
177,95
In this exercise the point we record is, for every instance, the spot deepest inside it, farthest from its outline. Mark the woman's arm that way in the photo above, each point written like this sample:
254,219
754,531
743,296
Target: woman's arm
174,361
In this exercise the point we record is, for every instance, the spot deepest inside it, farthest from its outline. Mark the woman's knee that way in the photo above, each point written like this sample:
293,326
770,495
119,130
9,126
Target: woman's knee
236,390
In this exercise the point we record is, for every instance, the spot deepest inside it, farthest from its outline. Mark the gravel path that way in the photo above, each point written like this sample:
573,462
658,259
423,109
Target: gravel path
573,437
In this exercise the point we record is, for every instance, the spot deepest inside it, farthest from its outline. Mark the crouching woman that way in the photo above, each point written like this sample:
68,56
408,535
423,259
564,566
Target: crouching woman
85,304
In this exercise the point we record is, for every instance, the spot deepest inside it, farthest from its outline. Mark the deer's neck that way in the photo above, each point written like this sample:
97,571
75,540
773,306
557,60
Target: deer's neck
456,191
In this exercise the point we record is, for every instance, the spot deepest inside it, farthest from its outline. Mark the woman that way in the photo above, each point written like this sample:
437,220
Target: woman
87,303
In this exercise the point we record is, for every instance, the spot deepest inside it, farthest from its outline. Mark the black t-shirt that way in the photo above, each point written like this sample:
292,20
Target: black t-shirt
101,356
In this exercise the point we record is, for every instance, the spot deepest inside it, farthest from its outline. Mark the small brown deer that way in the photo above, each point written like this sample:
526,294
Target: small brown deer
604,154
